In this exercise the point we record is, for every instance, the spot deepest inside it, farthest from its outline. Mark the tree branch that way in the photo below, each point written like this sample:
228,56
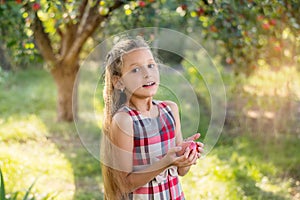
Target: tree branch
92,22
81,9
83,14
43,41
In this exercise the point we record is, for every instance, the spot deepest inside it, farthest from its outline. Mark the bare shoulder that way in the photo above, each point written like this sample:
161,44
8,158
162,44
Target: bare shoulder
122,117
122,121
172,105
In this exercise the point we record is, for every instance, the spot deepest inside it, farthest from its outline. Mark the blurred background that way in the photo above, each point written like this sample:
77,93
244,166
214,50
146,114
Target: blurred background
255,45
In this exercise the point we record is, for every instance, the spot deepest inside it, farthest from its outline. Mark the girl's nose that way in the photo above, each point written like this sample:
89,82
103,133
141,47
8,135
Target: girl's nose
146,75
146,72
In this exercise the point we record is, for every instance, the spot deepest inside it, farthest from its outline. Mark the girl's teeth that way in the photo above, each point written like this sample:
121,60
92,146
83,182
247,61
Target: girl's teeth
149,84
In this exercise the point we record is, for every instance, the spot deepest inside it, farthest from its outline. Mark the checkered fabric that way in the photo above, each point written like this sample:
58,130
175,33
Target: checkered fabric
152,139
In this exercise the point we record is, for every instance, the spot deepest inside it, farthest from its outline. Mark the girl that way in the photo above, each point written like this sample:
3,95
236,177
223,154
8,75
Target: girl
142,152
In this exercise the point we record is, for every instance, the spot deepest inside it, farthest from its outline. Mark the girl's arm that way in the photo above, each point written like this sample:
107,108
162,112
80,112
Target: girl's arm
194,155
123,140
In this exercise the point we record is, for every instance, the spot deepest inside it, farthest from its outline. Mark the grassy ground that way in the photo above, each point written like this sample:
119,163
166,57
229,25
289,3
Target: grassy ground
34,147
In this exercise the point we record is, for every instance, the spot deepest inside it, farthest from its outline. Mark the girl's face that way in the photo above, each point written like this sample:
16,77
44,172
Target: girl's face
140,74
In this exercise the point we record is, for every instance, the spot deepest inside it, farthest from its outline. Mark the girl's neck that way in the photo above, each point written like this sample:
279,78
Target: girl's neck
142,105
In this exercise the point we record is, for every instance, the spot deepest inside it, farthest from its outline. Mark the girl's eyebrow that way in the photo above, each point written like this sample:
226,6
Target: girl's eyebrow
151,59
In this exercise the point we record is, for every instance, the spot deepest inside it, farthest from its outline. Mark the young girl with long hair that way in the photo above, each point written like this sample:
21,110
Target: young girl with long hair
142,146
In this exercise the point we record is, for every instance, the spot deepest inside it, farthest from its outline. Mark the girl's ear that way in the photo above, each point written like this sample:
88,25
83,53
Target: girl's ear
117,82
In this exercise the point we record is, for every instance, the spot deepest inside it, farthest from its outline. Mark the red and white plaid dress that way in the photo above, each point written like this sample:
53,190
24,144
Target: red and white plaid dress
153,137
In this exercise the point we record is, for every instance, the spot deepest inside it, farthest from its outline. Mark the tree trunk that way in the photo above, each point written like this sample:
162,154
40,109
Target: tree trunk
64,78
65,60
4,63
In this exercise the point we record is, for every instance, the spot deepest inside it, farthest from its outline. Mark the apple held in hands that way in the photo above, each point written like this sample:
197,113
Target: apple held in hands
191,144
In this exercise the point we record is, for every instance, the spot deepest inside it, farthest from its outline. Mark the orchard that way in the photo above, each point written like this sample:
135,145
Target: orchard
254,45
247,33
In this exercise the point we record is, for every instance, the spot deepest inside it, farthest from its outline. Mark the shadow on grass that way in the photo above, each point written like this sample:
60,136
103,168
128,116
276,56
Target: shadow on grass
87,171
264,169
32,92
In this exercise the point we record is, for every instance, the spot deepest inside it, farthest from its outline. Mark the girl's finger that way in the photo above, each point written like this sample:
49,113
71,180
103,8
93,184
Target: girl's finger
192,155
200,149
181,158
200,144
195,160
193,137
198,155
187,152
175,149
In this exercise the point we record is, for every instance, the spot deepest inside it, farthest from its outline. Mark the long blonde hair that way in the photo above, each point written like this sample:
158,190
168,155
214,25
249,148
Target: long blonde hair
114,184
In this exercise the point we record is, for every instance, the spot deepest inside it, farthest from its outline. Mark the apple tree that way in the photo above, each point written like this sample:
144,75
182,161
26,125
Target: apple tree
17,49
251,33
247,33
60,28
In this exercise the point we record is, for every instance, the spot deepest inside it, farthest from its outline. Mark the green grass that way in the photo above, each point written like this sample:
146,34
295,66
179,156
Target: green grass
244,168
34,147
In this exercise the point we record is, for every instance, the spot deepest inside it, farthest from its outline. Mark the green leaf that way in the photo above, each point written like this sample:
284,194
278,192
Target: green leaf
28,191
14,197
2,187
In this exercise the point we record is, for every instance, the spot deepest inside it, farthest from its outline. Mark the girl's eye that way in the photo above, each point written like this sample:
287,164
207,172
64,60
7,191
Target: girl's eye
135,70
151,65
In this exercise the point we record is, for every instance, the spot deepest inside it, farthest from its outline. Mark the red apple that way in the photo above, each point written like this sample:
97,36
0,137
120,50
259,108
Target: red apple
245,33
36,6
183,7
191,144
272,22
213,28
18,1
142,4
277,48
266,26
229,61
253,67
200,11
260,17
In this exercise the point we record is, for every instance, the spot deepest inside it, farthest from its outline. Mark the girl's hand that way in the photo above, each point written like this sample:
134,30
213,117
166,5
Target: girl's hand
193,137
200,145
189,157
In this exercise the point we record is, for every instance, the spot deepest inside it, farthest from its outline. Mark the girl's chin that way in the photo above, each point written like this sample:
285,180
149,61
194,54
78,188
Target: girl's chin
144,94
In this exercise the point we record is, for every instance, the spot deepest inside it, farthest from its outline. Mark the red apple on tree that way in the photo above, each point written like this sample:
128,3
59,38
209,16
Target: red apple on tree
277,48
142,4
253,67
183,7
272,22
213,28
260,17
36,6
266,26
229,60
200,11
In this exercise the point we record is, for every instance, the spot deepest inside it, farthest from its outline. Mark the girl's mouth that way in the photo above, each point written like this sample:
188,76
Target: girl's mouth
149,84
